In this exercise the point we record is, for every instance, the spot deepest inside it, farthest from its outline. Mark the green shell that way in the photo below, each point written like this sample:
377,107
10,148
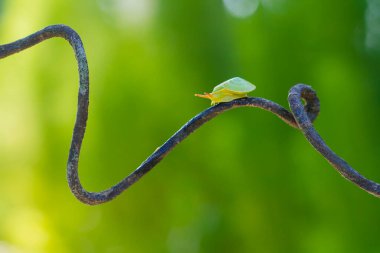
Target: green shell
229,90
236,85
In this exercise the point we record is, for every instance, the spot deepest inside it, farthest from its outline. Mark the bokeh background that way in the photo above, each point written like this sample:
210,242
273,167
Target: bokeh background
244,182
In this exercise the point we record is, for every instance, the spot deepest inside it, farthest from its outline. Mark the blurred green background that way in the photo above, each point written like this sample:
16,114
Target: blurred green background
245,182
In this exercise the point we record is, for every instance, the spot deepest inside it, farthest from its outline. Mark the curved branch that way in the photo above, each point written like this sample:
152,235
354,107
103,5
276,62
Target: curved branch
300,118
303,91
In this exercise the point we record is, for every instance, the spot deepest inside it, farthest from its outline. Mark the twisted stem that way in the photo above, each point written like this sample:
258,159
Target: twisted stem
300,117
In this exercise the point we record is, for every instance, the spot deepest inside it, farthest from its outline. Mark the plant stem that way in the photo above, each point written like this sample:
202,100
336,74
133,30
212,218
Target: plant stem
301,118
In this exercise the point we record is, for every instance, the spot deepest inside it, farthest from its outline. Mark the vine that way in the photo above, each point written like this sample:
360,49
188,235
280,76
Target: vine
300,117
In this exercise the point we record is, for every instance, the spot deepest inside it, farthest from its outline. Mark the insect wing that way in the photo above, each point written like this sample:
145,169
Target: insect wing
236,85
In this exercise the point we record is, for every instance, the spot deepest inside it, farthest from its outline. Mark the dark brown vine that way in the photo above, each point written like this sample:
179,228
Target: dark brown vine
300,117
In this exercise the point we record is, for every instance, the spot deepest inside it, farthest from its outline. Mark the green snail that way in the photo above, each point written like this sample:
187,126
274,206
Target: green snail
229,90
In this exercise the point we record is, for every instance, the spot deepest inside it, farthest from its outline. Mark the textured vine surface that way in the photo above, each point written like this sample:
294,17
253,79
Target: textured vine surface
300,117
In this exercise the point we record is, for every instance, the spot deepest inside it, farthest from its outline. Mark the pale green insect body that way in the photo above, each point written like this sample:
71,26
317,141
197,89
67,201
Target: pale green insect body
229,90
235,85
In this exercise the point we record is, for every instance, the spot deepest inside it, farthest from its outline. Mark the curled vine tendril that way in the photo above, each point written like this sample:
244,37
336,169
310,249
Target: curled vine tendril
300,117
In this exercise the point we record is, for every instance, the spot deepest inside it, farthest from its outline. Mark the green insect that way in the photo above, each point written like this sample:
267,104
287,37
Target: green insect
229,90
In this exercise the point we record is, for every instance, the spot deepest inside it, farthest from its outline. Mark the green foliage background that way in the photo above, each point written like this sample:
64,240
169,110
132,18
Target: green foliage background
245,182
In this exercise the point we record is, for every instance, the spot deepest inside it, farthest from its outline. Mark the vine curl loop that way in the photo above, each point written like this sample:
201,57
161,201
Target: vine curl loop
300,117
